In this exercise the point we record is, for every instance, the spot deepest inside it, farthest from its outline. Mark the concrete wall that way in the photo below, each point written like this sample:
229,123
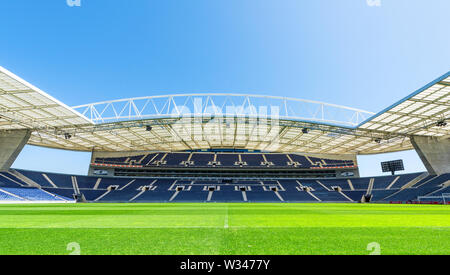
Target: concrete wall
11,143
434,153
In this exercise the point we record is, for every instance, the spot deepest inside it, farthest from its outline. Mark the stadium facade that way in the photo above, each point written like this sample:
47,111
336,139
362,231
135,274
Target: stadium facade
223,147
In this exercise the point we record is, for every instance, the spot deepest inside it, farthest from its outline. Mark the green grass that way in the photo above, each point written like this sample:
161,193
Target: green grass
224,228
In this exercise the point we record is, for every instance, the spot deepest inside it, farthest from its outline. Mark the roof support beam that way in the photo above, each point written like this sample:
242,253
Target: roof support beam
11,144
434,153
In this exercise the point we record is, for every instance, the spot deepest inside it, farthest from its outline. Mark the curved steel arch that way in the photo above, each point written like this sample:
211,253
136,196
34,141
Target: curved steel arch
222,104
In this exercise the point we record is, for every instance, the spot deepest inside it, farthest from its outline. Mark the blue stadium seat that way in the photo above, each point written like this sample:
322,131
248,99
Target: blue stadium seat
196,190
32,194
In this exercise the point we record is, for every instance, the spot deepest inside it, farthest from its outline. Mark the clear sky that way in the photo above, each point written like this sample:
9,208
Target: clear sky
347,52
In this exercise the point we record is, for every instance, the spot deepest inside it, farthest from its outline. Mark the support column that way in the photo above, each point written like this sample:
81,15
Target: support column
11,144
434,153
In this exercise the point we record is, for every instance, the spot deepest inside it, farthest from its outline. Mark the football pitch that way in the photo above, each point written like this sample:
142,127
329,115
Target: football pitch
224,229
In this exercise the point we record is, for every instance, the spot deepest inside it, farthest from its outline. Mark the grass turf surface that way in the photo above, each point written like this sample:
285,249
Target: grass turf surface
224,228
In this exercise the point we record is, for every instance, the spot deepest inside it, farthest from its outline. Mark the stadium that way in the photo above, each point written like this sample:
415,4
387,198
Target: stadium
225,173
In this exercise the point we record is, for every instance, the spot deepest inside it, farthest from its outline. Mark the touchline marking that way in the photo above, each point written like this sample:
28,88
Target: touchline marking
120,227
195,226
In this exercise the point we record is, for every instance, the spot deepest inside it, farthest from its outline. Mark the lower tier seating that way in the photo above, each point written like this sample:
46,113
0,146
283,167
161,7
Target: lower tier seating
14,186
32,194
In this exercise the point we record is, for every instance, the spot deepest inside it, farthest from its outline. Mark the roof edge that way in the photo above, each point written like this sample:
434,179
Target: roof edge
439,79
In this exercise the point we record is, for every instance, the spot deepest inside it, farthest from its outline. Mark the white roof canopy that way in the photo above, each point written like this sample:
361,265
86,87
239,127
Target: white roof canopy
419,113
205,121
23,106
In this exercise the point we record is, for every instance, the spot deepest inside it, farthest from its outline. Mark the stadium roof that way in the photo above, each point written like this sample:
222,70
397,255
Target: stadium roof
24,106
418,113
206,121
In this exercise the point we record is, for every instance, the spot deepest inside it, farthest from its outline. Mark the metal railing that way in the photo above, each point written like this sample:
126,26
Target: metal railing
225,105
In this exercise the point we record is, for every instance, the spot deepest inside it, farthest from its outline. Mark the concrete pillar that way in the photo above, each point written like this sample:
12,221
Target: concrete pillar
434,153
11,143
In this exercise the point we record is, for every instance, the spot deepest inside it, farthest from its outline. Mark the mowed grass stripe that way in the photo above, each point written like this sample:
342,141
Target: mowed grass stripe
251,241
217,215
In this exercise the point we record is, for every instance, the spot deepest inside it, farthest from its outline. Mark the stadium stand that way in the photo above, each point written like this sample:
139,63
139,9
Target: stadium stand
224,160
6,180
61,192
33,194
278,160
231,165
60,187
5,196
202,159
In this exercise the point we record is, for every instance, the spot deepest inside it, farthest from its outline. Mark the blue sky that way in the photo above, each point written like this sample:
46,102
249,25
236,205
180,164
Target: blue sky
344,52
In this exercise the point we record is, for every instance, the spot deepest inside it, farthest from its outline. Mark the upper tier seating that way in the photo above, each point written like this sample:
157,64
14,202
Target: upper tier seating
277,159
202,159
176,159
206,159
227,159
252,159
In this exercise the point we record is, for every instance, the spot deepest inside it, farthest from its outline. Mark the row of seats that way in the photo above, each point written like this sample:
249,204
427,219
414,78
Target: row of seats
429,186
10,180
223,160
89,182
29,194
104,189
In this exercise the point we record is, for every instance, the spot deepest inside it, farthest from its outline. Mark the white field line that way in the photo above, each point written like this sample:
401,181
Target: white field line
36,202
199,226
120,227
